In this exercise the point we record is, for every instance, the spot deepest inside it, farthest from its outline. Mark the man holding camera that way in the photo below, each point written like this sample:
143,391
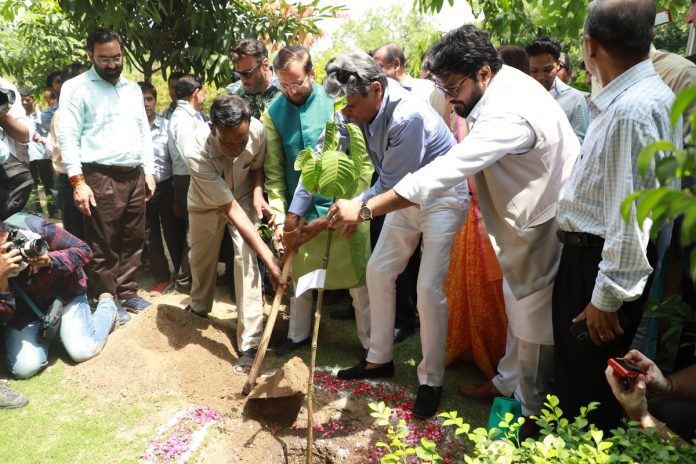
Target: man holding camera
43,293
15,178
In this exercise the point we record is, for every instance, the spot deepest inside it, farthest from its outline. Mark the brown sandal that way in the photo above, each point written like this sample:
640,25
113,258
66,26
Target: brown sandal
243,365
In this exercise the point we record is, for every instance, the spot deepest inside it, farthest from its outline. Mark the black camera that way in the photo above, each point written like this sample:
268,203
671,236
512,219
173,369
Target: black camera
7,99
28,248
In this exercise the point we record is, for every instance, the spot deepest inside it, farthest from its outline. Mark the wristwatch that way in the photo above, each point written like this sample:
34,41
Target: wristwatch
365,212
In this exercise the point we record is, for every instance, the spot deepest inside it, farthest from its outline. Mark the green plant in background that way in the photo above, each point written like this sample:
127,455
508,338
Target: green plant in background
561,441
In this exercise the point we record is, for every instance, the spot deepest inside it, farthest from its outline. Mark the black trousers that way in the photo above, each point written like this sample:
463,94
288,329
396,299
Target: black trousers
161,221
72,217
182,267
42,170
579,365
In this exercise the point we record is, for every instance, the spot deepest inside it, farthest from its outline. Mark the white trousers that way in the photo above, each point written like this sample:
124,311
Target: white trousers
302,310
206,232
438,224
525,369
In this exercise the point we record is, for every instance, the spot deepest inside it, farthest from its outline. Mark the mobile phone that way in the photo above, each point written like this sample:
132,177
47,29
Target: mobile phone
624,368
581,333
663,17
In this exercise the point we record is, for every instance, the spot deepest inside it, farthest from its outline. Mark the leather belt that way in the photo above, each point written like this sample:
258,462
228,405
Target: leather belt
581,239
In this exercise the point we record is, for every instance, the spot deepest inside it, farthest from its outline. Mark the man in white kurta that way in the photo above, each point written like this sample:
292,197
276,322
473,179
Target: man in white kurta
520,148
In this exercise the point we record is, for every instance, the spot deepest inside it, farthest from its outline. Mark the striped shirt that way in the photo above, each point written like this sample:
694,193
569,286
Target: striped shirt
628,114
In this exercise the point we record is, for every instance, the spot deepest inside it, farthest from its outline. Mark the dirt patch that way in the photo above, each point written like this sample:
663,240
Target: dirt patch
166,351
289,380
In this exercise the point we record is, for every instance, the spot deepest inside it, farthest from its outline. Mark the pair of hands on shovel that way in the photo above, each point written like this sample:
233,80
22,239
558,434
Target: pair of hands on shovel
294,232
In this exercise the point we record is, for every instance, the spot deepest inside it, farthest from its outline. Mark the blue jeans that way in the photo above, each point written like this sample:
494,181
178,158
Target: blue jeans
83,335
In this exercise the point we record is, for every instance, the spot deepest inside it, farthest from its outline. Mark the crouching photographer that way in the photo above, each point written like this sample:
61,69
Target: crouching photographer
43,293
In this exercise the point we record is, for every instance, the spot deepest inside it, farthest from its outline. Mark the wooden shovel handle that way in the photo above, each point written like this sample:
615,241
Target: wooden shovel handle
268,330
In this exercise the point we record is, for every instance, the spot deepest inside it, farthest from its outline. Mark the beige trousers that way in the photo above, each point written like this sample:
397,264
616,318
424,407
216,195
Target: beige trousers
206,231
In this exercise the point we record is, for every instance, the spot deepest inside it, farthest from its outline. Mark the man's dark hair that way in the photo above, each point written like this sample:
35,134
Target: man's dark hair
26,92
291,54
229,111
186,85
72,70
393,52
514,56
544,45
566,62
3,227
52,77
175,75
147,87
251,47
464,50
101,36
624,28
353,74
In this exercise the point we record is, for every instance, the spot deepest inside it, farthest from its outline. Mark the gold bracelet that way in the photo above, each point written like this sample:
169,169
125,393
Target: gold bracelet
290,231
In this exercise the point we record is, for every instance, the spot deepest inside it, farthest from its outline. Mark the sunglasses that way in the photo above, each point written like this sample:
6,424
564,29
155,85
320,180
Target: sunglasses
248,73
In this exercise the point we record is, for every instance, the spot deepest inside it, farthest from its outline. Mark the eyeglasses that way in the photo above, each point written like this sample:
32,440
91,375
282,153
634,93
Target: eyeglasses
118,59
295,86
452,90
248,73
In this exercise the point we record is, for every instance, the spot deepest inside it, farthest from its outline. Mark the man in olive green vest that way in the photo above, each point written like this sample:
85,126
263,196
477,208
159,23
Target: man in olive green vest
293,122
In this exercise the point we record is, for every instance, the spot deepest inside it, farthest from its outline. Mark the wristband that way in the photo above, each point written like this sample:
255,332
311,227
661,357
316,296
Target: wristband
288,232
76,180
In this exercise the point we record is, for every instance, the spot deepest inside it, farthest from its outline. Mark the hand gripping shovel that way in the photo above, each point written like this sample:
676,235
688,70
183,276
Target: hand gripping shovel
268,330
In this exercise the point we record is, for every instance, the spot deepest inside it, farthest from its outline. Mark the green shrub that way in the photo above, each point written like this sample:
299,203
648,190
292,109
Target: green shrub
561,441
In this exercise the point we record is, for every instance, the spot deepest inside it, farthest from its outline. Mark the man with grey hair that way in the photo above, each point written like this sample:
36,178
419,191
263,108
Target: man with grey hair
402,134
220,195
520,148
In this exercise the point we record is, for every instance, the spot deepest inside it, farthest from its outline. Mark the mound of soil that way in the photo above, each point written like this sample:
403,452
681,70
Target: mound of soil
165,350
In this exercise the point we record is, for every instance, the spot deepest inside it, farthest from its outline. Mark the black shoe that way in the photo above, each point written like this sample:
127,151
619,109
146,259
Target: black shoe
401,333
289,346
345,314
427,401
360,371
189,309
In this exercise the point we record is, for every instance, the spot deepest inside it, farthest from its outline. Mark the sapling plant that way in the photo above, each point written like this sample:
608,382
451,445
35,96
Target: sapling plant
332,173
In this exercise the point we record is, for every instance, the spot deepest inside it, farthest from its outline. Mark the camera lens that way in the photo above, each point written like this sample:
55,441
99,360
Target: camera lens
34,248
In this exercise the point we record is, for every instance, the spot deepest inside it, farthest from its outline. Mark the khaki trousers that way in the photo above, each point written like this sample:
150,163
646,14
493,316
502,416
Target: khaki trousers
206,230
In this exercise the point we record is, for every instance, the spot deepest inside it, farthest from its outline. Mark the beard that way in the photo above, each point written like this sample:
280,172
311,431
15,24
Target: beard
109,74
462,108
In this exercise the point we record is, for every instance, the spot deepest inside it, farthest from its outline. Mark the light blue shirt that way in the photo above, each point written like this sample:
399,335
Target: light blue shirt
163,162
405,135
574,106
103,123
184,123
628,114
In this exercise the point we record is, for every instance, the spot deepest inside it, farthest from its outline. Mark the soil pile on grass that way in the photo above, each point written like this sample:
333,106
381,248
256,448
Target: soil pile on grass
166,350
289,380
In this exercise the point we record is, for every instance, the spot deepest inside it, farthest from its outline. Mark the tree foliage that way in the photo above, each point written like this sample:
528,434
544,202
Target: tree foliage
36,41
196,35
519,22
412,30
